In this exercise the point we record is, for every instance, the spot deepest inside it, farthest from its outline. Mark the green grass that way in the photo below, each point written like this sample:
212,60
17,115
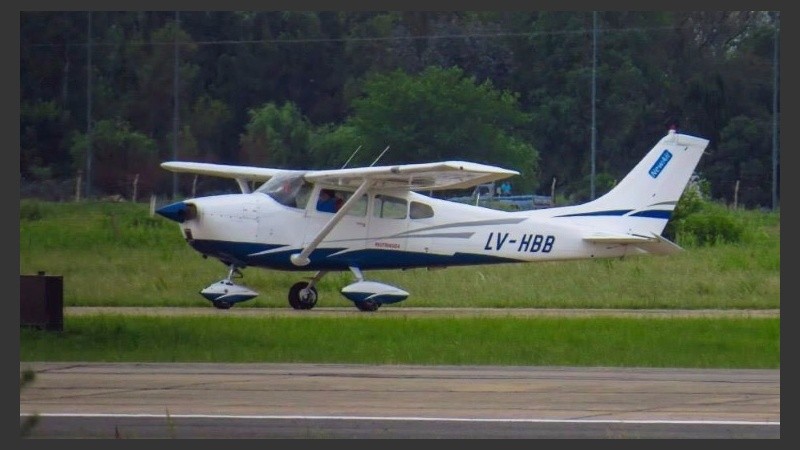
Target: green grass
372,339
115,254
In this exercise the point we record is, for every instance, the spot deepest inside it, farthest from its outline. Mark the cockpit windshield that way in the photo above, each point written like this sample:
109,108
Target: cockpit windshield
288,189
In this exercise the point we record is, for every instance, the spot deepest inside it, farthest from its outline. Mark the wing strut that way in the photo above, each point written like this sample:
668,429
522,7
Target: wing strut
243,185
301,259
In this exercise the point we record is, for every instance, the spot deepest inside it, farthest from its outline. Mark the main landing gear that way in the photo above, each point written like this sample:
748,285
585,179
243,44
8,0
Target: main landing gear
367,296
303,294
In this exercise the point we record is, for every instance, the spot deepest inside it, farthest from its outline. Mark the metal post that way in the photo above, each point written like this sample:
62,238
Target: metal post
175,108
775,115
594,98
89,105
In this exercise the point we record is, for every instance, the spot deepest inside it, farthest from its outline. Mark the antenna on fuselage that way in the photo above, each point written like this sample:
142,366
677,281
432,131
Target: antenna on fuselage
379,156
351,157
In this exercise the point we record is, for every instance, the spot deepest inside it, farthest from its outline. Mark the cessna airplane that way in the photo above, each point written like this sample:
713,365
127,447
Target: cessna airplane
366,218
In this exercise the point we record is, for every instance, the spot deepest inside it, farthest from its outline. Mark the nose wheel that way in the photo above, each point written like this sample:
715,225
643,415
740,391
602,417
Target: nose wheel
225,293
221,304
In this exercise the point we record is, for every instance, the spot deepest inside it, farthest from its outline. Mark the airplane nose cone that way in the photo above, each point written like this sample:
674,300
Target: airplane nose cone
175,211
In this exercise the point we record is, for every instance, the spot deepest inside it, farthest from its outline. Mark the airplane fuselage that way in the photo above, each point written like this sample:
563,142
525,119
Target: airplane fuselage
255,230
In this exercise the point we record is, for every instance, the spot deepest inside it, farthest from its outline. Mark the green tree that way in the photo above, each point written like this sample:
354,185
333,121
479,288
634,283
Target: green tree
42,153
118,155
208,121
151,106
332,146
740,160
276,136
705,71
442,114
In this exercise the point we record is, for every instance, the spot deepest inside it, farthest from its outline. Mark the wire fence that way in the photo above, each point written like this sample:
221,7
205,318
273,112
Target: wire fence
741,196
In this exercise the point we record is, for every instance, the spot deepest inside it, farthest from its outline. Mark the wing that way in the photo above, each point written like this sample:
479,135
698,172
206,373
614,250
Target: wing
651,244
407,177
413,177
242,174
248,173
430,176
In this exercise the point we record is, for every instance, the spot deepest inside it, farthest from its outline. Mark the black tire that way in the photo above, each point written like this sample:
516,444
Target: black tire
296,300
368,305
221,304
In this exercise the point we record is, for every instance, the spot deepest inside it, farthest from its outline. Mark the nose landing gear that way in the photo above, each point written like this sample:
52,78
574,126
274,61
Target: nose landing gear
225,293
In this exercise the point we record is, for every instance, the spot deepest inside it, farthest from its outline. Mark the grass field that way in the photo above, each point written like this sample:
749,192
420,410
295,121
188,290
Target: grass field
372,339
116,254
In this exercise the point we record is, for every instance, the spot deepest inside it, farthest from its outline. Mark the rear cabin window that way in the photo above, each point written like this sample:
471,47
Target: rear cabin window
420,211
389,207
358,209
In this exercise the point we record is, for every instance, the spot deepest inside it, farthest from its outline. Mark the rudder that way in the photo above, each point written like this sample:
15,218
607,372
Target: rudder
644,200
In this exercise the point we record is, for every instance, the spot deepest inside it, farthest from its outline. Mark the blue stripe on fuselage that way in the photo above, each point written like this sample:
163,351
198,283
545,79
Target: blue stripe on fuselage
618,212
651,213
654,213
328,259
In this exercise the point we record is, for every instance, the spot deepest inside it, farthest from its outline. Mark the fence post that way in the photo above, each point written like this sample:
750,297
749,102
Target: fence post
78,188
152,205
736,195
135,186
553,192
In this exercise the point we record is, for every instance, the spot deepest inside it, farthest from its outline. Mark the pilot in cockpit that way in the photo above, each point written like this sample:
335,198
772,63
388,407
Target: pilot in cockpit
326,201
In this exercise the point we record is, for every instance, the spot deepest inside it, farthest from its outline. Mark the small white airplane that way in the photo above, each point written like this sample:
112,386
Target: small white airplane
380,222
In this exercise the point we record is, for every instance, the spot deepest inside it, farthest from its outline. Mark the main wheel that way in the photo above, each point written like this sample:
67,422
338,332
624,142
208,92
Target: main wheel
302,298
221,304
368,305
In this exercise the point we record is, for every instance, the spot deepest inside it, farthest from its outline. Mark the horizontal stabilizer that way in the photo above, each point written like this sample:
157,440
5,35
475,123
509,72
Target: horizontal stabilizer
655,244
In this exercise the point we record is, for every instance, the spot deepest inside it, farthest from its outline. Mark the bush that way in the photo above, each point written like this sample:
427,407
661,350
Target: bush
690,203
711,224
30,211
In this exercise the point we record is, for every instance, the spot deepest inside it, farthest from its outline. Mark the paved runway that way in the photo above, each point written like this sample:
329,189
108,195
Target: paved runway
187,400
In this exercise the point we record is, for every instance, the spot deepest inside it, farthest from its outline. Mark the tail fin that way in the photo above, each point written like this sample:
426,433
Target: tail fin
644,200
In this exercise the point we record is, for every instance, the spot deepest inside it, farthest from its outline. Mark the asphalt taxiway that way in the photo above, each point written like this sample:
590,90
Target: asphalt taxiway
319,401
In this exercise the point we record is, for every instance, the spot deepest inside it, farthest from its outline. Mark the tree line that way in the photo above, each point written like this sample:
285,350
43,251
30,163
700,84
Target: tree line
300,89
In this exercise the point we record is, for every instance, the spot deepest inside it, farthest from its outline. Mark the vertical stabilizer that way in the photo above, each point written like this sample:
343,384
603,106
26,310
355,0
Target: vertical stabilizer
643,201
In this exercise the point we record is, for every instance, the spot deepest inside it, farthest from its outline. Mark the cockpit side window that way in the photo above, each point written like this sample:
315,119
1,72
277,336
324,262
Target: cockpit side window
301,200
331,200
289,189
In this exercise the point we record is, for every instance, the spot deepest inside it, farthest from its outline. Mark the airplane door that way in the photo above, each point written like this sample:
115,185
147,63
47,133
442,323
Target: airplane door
421,219
388,222
351,230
